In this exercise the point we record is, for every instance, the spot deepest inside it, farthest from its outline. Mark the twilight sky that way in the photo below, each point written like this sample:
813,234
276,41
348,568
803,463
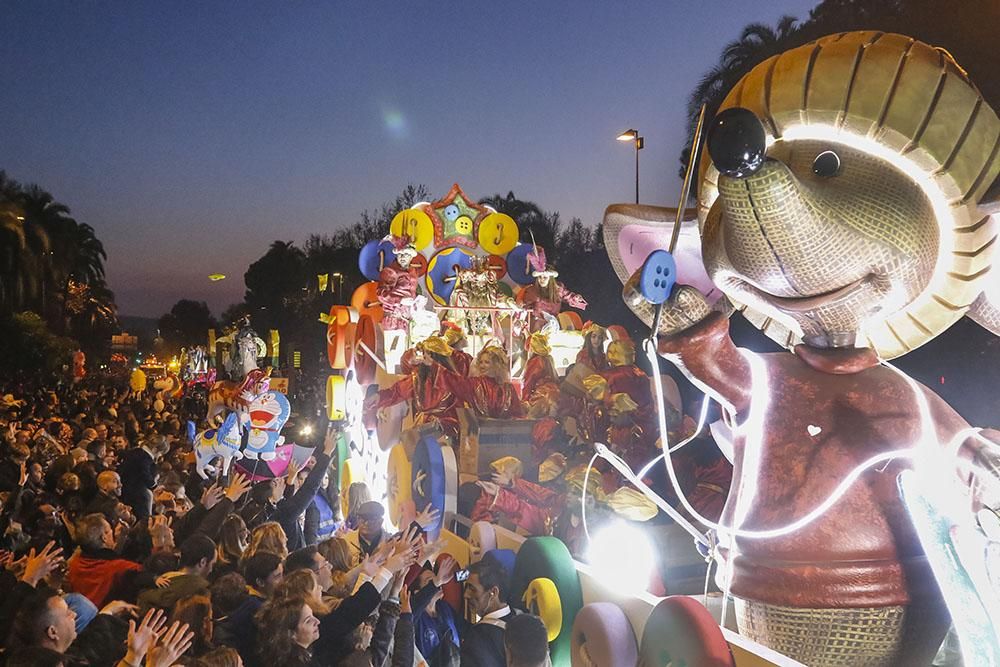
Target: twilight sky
192,134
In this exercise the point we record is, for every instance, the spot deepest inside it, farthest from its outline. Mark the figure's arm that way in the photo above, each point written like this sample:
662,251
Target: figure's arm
696,339
571,298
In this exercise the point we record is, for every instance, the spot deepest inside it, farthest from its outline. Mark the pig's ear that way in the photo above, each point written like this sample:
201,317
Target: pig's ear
633,231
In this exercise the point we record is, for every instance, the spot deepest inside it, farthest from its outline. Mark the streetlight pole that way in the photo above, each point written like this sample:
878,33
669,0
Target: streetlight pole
340,285
639,143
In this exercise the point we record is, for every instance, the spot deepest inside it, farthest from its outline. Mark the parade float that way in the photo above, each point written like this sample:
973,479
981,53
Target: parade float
844,208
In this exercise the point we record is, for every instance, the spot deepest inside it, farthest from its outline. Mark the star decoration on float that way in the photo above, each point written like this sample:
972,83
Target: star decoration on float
455,218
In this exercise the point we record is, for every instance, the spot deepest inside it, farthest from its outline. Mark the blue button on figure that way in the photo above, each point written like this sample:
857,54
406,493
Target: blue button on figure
658,275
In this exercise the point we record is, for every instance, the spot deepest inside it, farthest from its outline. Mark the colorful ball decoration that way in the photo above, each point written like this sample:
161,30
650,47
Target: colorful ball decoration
603,635
375,256
498,233
547,557
518,267
415,225
681,631
365,301
442,272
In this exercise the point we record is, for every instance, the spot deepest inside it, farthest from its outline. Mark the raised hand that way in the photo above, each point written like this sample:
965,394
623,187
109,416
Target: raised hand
428,517
404,601
211,496
330,440
142,638
292,474
238,486
161,532
446,571
38,566
370,565
492,488
171,645
402,560
119,608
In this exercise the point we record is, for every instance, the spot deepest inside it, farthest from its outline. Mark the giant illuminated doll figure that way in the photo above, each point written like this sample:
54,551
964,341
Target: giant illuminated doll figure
544,297
397,287
842,211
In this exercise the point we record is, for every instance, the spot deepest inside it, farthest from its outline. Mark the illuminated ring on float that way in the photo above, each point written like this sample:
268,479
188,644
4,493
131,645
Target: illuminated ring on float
602,635
548,557
570,321
681,629
542,599
365,301
435,480
340,337
375,256
336,398
399,482
504,557
415,225
367,331
482,538
518,267
497,233
441,273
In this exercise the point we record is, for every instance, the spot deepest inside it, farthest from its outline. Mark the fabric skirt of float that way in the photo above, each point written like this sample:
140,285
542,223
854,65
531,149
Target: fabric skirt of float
896,635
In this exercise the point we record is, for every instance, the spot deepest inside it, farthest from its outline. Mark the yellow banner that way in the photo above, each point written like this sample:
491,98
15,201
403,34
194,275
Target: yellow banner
324,279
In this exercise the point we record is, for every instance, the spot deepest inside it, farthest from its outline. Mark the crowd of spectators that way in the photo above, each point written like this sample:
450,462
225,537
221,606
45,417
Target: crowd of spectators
114,552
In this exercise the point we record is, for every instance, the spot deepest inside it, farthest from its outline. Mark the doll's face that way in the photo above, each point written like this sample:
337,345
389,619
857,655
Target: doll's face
822,237
543,280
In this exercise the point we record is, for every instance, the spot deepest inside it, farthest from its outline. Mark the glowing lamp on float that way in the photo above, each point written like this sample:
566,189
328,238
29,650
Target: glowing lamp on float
622,557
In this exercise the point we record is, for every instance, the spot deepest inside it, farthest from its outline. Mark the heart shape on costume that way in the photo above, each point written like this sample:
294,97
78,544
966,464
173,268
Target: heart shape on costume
814,430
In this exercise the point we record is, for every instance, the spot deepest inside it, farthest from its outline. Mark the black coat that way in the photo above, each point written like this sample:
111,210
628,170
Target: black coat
138,472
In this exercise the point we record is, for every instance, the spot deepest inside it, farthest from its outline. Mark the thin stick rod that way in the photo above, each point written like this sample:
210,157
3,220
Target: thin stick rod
688,173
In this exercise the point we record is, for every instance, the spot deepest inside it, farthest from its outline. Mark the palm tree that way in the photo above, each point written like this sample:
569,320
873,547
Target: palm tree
756,43
532,221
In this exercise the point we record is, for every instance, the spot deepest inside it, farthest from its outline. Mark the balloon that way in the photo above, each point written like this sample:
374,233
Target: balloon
268,414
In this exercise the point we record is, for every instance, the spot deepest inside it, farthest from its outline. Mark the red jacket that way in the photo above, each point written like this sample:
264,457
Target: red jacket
96,574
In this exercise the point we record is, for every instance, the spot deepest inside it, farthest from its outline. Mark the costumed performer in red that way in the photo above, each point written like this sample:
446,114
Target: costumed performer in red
531,507
544,297
489,390
397,286
540,371
430,399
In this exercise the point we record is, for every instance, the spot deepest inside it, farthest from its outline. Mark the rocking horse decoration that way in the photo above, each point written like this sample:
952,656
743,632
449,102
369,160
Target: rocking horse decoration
236,396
